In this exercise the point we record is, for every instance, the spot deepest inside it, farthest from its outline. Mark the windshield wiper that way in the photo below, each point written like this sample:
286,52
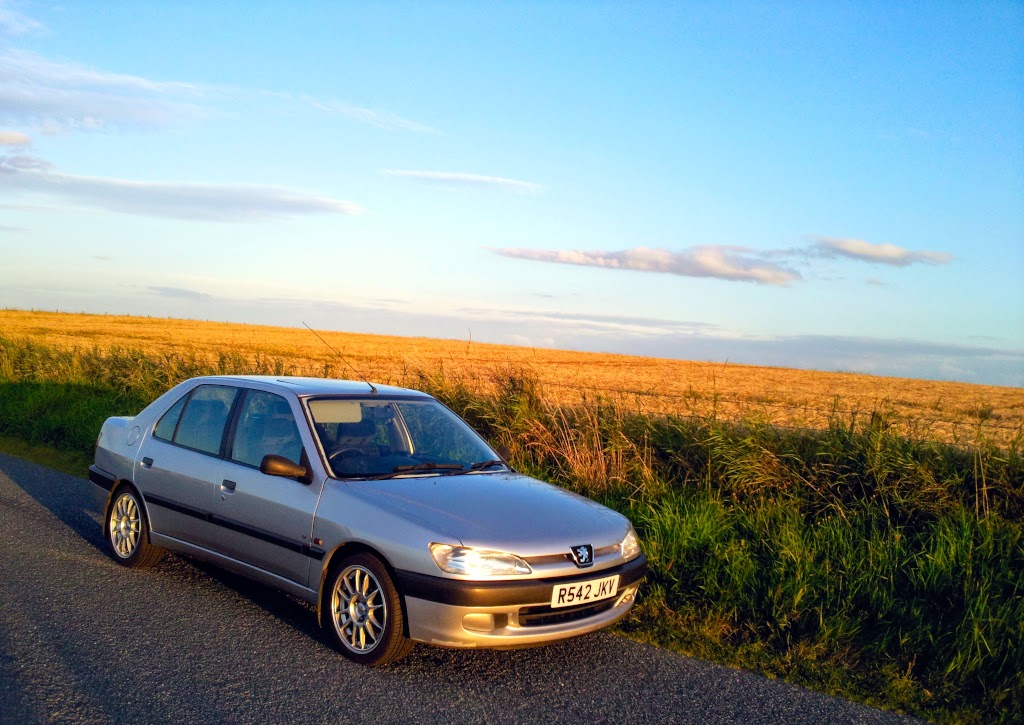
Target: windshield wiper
412,468
480,465
428,466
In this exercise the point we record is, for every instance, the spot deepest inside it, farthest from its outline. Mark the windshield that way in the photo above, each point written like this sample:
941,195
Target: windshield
380,438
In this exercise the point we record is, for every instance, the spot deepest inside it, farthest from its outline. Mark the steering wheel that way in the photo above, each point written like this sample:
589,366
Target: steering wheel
344,452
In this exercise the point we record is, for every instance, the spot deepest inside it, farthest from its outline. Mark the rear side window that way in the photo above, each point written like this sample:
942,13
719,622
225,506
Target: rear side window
202,423
165,428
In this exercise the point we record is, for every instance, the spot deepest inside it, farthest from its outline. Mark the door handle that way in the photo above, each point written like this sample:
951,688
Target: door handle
147,462
227,485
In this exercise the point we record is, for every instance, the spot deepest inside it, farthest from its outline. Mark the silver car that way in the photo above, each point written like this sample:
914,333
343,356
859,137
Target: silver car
376,504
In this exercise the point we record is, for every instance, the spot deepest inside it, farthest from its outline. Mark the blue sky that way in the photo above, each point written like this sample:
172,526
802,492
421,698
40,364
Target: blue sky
831,185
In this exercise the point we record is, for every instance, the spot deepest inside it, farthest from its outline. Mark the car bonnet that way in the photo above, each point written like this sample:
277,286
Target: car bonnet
505,511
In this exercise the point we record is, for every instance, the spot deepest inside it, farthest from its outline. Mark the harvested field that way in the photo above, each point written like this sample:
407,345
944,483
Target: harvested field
947,411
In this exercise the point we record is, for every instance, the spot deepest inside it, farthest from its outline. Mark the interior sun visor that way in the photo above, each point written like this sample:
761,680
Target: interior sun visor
336,411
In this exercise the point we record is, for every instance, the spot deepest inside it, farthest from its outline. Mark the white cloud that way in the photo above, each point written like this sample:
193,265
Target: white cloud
182,293
381,119
588,324
14,138
176,200
453,178
740,264
877,253
57,96
14,23
721,262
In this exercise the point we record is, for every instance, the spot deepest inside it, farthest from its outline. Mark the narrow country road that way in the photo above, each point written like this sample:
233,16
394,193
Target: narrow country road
83,640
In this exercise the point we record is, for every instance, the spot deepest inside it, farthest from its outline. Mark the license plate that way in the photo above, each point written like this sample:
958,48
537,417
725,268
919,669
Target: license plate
567,595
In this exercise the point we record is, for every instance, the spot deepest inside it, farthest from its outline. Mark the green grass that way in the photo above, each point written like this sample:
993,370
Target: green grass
848,559
74,463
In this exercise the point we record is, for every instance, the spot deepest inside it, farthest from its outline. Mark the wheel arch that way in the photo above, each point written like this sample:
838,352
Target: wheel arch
338,555
126,483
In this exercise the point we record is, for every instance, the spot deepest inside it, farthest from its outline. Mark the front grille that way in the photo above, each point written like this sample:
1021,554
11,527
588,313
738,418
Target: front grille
566,556
544,614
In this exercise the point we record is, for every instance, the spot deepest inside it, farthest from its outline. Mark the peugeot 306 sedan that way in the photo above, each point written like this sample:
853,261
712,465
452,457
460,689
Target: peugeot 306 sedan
376,504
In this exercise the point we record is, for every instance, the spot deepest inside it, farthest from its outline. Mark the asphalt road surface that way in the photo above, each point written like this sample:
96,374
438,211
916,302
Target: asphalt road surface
84,640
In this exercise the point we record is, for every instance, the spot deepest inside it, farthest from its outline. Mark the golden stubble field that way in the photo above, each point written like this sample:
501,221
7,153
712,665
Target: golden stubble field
959,412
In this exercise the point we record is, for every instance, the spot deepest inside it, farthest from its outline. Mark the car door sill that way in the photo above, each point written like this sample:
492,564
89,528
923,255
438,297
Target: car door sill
234,565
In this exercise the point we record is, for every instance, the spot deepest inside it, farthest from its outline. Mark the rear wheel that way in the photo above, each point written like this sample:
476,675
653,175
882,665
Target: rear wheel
127,531
364,612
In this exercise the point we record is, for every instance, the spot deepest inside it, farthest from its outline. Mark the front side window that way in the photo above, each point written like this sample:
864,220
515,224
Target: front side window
203,420
265,426
380,438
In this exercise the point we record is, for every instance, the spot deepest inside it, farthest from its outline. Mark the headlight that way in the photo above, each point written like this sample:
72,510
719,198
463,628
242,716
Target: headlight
477,562
630,545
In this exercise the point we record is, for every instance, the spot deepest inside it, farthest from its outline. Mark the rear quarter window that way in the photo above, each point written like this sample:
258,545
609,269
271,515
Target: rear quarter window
165,428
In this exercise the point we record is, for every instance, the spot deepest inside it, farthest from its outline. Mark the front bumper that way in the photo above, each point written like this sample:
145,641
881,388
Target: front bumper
505,614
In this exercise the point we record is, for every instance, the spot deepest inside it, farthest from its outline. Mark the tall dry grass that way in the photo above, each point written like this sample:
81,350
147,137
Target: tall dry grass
922,409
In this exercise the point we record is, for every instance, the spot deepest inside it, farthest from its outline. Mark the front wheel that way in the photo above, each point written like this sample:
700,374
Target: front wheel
365,619
127,531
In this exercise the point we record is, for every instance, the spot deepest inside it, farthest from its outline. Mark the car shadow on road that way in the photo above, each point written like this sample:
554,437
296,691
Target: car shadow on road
286,608
301,617
67,497
71,500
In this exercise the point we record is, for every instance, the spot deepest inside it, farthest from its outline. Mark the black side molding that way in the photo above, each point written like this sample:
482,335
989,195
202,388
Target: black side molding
101,478
270,538
462,593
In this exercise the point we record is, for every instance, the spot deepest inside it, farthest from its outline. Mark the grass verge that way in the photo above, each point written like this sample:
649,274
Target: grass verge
850,559
74,463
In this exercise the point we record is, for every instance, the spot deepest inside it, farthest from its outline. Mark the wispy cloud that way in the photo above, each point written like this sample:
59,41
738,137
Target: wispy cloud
877,253
588,324
181,293
55,96
734,263
14,23
722,262
455,178
14,138
381,119
176,200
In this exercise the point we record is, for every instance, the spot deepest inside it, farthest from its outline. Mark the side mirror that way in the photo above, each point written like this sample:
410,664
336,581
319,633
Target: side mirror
504,452
280,466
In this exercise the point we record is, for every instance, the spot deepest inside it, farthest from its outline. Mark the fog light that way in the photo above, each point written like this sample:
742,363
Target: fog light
478,622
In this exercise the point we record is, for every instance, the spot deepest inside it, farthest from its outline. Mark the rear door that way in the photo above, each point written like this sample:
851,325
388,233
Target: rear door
266,521
178,467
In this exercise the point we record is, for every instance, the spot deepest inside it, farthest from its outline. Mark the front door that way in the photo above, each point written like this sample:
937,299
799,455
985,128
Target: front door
265,521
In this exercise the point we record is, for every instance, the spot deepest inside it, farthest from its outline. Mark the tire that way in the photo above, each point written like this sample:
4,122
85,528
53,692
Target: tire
127,531
364,617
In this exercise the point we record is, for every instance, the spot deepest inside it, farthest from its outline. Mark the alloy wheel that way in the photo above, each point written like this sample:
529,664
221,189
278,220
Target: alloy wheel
125,525
358,609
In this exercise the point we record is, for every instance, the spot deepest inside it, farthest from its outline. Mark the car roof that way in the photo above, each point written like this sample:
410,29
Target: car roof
304,387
